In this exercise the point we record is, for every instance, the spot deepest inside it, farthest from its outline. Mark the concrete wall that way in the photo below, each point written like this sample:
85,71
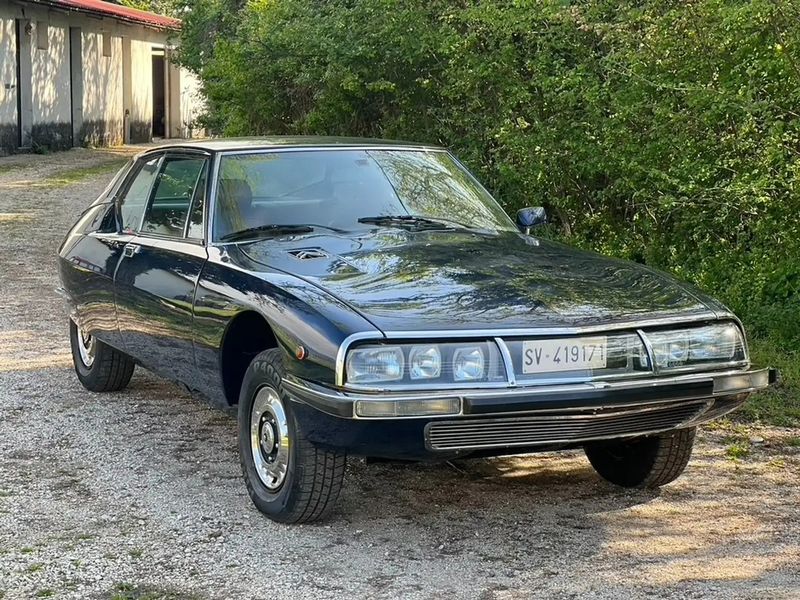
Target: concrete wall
103,110
103,96
51,118
8,83
141,102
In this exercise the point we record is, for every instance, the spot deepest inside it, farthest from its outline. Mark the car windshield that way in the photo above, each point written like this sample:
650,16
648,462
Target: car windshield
350,189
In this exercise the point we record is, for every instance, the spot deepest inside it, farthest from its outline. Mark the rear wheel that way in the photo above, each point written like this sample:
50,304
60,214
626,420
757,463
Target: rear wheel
648,462
288,478
100,368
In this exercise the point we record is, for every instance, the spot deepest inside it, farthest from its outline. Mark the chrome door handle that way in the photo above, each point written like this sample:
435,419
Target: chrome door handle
131,250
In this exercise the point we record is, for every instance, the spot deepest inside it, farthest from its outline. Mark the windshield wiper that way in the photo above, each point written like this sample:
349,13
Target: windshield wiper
418,222
410,220
252,232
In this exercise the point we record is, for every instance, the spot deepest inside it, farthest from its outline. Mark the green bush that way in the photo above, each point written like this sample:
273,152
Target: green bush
663,131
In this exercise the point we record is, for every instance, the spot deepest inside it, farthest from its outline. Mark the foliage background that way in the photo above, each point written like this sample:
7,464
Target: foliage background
662,131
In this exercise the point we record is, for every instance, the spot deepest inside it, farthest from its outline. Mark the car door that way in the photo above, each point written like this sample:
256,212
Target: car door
89,259
157,275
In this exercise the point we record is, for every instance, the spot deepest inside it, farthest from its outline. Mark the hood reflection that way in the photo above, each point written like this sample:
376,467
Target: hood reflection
410,280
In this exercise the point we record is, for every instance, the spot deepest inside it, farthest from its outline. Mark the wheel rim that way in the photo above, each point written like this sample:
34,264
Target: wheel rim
269,438
86,347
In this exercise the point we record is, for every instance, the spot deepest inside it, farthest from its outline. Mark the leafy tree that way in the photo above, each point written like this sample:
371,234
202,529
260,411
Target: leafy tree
667,132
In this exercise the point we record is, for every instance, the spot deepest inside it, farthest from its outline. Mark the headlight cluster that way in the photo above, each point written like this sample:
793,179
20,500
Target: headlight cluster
466,362
470,362
717,343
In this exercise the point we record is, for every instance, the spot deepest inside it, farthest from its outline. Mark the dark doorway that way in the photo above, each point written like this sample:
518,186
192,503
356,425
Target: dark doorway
24,83
159,96
76,82
19,32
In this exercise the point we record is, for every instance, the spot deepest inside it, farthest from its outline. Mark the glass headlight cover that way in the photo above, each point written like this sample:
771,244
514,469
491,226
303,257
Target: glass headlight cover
425,364
372,364
468,364
716,343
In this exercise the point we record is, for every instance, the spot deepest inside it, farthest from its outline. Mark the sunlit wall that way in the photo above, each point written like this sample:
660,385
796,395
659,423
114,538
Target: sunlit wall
102,95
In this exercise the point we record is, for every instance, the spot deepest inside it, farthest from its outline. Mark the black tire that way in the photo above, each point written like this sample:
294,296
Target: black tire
109,371
314,475
648,462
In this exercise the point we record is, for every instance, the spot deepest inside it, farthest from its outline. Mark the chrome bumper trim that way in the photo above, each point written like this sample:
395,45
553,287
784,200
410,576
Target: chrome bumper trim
725,383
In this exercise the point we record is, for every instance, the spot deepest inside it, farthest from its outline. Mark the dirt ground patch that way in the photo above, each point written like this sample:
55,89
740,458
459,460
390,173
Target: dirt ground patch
139,495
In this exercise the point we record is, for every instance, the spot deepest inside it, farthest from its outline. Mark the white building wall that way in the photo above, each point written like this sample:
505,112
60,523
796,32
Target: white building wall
141,107
96,102
103,110
9,135
50,79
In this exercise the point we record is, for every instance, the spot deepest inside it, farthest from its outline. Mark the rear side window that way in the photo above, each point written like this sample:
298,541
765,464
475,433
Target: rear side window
135,199
173,197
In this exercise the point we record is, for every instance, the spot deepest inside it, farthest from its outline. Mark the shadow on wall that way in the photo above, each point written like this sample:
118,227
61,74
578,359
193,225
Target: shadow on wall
141,132
9,139
51,136
101,133
54,137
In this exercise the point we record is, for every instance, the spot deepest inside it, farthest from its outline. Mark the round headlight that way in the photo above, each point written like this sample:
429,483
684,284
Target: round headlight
468,364
424,362
374,364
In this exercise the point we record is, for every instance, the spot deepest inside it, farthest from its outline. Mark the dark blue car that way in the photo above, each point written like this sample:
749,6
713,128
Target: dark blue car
372,298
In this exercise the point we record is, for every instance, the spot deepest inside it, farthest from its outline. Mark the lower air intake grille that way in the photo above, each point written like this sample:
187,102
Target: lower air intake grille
558,428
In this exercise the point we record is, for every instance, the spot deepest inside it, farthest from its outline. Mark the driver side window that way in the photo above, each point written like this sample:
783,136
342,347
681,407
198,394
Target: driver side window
174,192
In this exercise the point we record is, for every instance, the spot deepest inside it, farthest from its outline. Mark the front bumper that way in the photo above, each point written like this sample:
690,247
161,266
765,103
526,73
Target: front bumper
521,419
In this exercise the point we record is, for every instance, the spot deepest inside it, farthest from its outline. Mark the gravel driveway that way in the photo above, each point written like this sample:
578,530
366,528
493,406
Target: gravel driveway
139,495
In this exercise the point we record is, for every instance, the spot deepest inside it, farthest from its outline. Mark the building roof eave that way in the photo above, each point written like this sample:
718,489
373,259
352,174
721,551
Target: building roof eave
117,12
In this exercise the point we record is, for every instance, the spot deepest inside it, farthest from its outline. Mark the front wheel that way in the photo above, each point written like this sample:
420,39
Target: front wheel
648,462
289,479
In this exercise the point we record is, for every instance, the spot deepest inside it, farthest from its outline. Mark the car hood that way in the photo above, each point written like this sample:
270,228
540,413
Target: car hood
405,280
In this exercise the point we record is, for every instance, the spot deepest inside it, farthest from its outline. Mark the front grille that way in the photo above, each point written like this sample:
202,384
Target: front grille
559,428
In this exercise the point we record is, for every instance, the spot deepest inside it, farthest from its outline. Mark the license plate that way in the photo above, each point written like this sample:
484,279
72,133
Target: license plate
555,356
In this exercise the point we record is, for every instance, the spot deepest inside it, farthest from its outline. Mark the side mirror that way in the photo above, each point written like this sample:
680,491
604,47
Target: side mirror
531,217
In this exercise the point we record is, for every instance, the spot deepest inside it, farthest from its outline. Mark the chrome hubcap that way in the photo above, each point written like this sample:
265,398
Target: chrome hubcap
269,438
86,347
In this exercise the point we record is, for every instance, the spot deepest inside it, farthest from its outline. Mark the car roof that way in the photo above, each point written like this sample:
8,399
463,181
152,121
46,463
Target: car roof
266,143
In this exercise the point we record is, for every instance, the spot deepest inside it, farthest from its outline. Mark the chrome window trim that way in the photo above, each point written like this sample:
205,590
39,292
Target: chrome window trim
187,225
182,245
172,154
211,199
320,148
